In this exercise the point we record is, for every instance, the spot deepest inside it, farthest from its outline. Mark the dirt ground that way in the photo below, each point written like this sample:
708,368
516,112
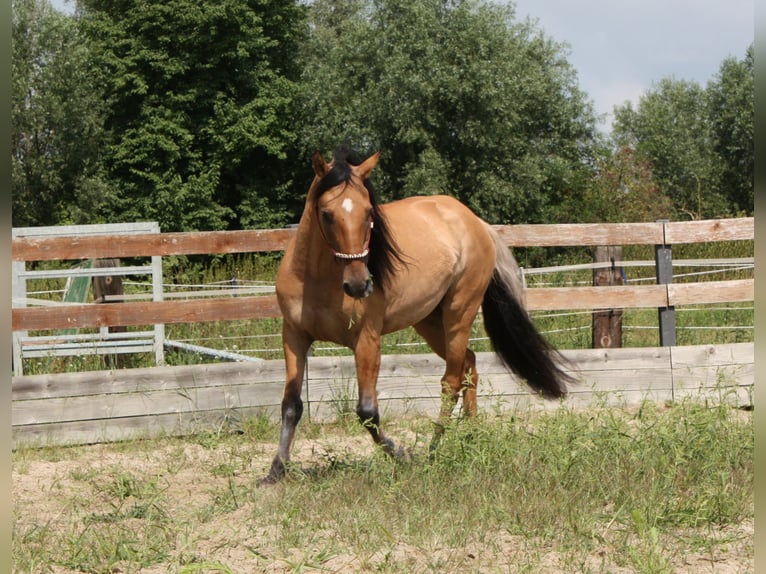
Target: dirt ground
43,491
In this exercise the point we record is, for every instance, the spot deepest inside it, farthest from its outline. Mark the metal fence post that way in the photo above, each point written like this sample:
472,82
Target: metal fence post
664,266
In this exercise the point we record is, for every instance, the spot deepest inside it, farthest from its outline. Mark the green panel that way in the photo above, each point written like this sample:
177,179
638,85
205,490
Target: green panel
76,291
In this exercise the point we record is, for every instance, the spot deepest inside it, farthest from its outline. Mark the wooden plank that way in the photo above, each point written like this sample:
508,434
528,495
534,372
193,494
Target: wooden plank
526,235
415,376
711,292
124,405
616,359
400,365
145,313
144,380
621,296
183,243
580,234
111,430
722,378
741,228
713,355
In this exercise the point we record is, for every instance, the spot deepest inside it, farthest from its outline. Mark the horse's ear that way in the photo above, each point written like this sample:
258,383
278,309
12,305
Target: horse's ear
320,165
365,168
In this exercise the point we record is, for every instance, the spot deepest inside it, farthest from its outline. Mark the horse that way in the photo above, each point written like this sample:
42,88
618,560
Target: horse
356,269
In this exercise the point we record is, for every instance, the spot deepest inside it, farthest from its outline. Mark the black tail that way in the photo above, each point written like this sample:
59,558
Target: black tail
518,343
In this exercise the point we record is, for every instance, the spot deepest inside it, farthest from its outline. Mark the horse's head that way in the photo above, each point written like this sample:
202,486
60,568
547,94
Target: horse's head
345,213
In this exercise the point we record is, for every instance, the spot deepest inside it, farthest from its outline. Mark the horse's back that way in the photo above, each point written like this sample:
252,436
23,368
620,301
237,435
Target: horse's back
444,244
433,223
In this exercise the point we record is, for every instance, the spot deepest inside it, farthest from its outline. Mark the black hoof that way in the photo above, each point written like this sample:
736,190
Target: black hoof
276,473
267,481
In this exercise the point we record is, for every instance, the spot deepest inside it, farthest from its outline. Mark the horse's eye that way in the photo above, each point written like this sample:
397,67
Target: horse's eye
327,216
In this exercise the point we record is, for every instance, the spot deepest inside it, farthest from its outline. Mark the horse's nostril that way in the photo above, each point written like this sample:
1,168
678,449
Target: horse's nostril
358,290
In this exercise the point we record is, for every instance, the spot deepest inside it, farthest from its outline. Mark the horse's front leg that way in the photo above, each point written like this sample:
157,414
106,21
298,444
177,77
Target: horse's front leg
296,346
367,358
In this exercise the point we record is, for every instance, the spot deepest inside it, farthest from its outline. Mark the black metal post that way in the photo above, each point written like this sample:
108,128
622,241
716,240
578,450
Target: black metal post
667,315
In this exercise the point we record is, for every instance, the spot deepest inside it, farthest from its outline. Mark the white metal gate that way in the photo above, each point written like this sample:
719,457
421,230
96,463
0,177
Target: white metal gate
72,342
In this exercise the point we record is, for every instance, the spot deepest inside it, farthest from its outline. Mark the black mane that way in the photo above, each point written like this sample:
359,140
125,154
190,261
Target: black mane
343,158
384,252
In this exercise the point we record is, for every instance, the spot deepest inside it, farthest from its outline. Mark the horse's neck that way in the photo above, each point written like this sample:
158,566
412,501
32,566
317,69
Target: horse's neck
311,253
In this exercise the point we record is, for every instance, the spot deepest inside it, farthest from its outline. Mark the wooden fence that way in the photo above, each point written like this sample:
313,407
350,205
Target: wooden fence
110,405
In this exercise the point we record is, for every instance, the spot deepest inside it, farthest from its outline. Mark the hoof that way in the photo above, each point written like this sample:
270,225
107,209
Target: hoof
403,454
276,473
399,454
267,481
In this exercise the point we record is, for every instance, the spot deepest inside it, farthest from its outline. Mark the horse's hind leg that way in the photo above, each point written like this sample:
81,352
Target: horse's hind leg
469,382
460,374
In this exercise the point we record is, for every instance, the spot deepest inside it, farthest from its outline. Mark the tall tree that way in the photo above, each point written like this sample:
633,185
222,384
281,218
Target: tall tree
459,96
199,98
731,109
56,120
670,129
698,141
622,189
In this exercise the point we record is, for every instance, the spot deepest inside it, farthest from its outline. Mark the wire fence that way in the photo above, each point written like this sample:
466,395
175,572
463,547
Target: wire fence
739,318
565,328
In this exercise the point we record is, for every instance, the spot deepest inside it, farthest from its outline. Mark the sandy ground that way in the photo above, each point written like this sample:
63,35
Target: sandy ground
43,492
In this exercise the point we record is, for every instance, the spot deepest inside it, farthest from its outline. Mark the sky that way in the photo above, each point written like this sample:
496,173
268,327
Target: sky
621,48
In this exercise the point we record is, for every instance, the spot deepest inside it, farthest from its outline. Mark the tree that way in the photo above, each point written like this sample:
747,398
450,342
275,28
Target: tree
731,109
459,97
670,129
57,120
623,189
199,104
699,142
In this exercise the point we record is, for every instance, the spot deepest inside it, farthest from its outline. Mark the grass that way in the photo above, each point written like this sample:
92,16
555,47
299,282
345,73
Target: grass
569,490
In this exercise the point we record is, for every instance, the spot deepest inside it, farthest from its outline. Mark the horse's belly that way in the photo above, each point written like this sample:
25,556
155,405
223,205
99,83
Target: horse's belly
404,311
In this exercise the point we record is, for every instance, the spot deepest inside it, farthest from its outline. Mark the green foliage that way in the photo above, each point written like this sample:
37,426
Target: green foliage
731,104
57,115
199,108
669,129
623,189
204,116
698,141
460,97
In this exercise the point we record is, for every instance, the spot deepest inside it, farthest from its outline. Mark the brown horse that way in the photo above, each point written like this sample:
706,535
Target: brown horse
356,270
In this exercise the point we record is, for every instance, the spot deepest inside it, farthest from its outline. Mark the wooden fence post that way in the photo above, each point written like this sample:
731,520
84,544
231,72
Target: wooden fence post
663,256
103,286
607,324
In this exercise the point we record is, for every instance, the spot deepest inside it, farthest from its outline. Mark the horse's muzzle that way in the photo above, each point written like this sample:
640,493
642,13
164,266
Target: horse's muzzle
358,290
357,281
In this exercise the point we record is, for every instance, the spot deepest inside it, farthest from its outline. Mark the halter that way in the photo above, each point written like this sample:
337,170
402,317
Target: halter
348,256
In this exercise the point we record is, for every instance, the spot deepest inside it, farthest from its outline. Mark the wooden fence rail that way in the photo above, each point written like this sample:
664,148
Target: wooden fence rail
80,316
118,404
